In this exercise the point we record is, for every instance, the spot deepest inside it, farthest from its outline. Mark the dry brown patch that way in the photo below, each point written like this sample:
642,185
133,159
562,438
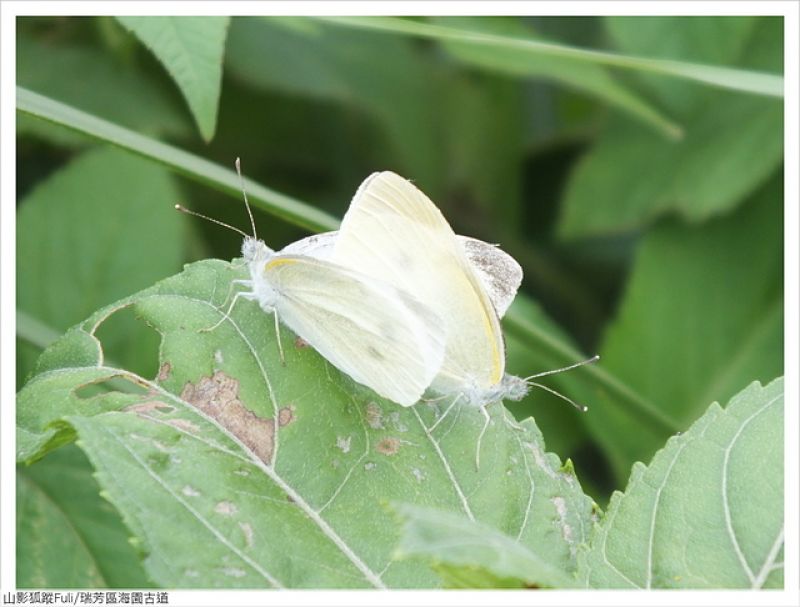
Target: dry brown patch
286,416
218,397
388,445
164,371
151,406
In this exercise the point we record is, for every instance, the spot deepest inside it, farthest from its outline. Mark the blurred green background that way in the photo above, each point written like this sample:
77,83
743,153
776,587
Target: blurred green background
646,210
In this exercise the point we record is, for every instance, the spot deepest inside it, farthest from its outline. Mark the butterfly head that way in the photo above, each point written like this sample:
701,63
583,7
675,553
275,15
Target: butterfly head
255,251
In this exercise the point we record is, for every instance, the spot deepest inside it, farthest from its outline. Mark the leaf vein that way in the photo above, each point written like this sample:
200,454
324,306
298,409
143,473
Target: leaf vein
725,503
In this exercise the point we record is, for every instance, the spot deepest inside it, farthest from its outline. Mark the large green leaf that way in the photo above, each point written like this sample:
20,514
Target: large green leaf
50,553
702,316
715,40
236,471
93,232
474,555
630,177
191,48
68,536
708,510
95,82
363,70
732,144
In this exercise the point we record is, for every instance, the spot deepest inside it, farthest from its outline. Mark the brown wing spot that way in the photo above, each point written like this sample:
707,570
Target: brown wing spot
375,353
388,445
218,397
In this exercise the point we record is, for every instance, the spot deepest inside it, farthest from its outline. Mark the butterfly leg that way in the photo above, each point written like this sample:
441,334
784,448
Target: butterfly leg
441,417
278,336
480,436
247,283
226,315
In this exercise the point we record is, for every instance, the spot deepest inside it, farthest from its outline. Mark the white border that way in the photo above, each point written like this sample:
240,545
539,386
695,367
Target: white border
789,9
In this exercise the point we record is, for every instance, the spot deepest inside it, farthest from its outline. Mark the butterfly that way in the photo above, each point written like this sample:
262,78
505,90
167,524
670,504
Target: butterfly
394,232
379,335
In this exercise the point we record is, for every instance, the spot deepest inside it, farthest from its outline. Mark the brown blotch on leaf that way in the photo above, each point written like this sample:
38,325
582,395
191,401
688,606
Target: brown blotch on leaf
300,343
374,416
184,424
148,407
226,508
247,530
286,416
388,445
164,371
218,397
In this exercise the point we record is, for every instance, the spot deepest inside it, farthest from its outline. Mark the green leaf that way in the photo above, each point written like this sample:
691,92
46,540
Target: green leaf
223,500
574,73
561,424
477,556
194,167
708,510
630,177
731,146
360,69
717,40
67,535
191,49
95,231
97,83
50,553
702,315
735,79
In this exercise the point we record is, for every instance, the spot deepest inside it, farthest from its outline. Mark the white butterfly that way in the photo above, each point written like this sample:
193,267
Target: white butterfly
379,335
499,273
393,232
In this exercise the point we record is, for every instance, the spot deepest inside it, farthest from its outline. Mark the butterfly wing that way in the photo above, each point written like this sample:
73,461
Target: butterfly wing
393,232
319,246
382,338
499,273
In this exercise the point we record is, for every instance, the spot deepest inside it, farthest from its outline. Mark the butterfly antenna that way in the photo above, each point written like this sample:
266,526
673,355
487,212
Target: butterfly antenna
244,193
588,361
581,408
183,209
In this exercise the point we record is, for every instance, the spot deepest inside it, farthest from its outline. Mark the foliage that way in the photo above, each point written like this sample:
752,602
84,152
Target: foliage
632,165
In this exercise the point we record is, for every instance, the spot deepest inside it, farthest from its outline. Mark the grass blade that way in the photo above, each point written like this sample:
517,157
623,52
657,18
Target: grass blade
757,83
189,165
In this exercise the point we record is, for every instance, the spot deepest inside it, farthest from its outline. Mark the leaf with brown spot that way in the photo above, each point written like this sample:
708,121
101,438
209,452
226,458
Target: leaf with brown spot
286,415
218,397
218,494
388,446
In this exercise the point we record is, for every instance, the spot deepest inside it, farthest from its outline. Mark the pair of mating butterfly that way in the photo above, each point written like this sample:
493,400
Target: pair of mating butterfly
395,299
